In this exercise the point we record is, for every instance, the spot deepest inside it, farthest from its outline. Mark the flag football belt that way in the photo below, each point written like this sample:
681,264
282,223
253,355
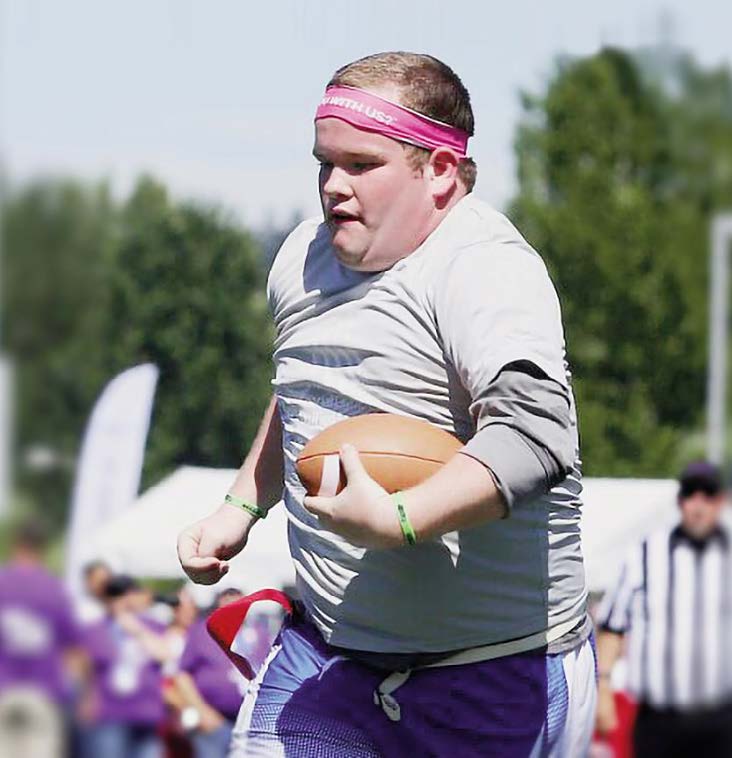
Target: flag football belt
225,623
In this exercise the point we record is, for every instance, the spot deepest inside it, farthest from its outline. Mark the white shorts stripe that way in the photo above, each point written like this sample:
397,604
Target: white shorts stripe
239,747
579,670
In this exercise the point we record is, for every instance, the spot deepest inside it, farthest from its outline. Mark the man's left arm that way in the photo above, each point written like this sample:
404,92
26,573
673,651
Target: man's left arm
501,466
523,447
514,371
153,642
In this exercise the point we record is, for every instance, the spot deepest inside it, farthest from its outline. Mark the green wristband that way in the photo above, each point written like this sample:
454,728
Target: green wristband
407,530
255,510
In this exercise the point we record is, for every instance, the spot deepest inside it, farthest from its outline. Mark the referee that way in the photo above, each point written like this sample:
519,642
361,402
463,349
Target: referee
672,599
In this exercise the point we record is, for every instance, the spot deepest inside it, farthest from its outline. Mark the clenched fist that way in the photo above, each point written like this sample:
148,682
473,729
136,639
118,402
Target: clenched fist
205,547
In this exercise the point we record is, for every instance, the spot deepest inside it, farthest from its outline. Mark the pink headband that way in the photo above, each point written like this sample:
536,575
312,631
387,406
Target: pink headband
364,110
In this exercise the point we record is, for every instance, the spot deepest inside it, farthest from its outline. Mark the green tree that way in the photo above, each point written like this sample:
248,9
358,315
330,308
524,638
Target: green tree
58,243
615,193
92,286
188,295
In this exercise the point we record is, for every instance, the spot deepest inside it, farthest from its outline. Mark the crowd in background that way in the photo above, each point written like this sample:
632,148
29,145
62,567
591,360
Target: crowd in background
130,674
127,675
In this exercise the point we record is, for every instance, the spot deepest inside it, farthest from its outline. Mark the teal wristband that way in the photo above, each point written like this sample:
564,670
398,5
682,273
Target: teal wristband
254,510
407,530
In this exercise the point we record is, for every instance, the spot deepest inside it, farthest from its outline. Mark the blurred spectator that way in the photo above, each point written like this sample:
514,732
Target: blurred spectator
673,600
255,638
128,651
210,689
39,645
139,599
185,613
96,576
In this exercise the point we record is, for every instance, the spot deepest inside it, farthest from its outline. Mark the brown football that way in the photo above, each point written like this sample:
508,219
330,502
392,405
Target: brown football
397,451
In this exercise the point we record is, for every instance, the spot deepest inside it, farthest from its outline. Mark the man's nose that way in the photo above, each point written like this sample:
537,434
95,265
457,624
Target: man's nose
335,182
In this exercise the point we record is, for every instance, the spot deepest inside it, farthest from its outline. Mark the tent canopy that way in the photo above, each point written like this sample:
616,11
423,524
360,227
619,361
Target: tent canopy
617,514
141,541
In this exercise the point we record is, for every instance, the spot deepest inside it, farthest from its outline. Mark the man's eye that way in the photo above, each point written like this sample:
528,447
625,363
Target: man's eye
358,166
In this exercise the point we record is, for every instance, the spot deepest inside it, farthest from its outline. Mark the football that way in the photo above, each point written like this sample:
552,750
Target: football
397,451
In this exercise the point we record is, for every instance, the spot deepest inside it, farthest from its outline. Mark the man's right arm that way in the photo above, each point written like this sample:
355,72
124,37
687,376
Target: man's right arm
613,619
609,650
208,718
205,547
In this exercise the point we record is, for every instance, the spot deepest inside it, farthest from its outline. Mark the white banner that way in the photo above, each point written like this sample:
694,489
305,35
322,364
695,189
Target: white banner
110,463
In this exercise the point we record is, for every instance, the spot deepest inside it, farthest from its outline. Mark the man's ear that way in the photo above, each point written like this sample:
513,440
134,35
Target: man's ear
442,172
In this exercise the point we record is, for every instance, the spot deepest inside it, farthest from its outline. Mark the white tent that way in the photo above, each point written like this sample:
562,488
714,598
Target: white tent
617,514
142,540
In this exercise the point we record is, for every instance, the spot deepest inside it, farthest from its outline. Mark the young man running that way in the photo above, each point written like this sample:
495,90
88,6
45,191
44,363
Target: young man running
410,296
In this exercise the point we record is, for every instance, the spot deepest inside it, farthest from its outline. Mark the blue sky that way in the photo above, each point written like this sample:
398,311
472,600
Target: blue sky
216,98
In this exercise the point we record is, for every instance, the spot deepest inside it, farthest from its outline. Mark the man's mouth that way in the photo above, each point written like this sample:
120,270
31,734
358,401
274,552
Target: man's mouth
339,218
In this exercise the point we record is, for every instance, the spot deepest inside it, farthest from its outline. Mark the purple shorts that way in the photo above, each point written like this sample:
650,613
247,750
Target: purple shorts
311,701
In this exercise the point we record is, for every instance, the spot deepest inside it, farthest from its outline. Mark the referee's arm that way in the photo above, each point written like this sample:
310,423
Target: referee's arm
613,620
609,648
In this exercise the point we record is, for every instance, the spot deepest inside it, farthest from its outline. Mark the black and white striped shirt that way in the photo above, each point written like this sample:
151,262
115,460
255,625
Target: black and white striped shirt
674,597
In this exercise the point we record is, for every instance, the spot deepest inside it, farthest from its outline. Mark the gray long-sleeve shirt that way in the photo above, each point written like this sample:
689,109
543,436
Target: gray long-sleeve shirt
524,422
465,333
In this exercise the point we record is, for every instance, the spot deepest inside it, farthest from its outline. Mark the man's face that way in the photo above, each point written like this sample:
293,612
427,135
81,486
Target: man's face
186,610
140,599
96,580
700,513
229,596
377,206
122,604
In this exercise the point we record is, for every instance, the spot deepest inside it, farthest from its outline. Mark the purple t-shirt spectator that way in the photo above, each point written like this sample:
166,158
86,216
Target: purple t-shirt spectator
216,678
36,626
128,681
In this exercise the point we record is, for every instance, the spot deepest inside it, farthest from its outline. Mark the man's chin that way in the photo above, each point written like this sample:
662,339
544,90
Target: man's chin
346,254
354,258
348,258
